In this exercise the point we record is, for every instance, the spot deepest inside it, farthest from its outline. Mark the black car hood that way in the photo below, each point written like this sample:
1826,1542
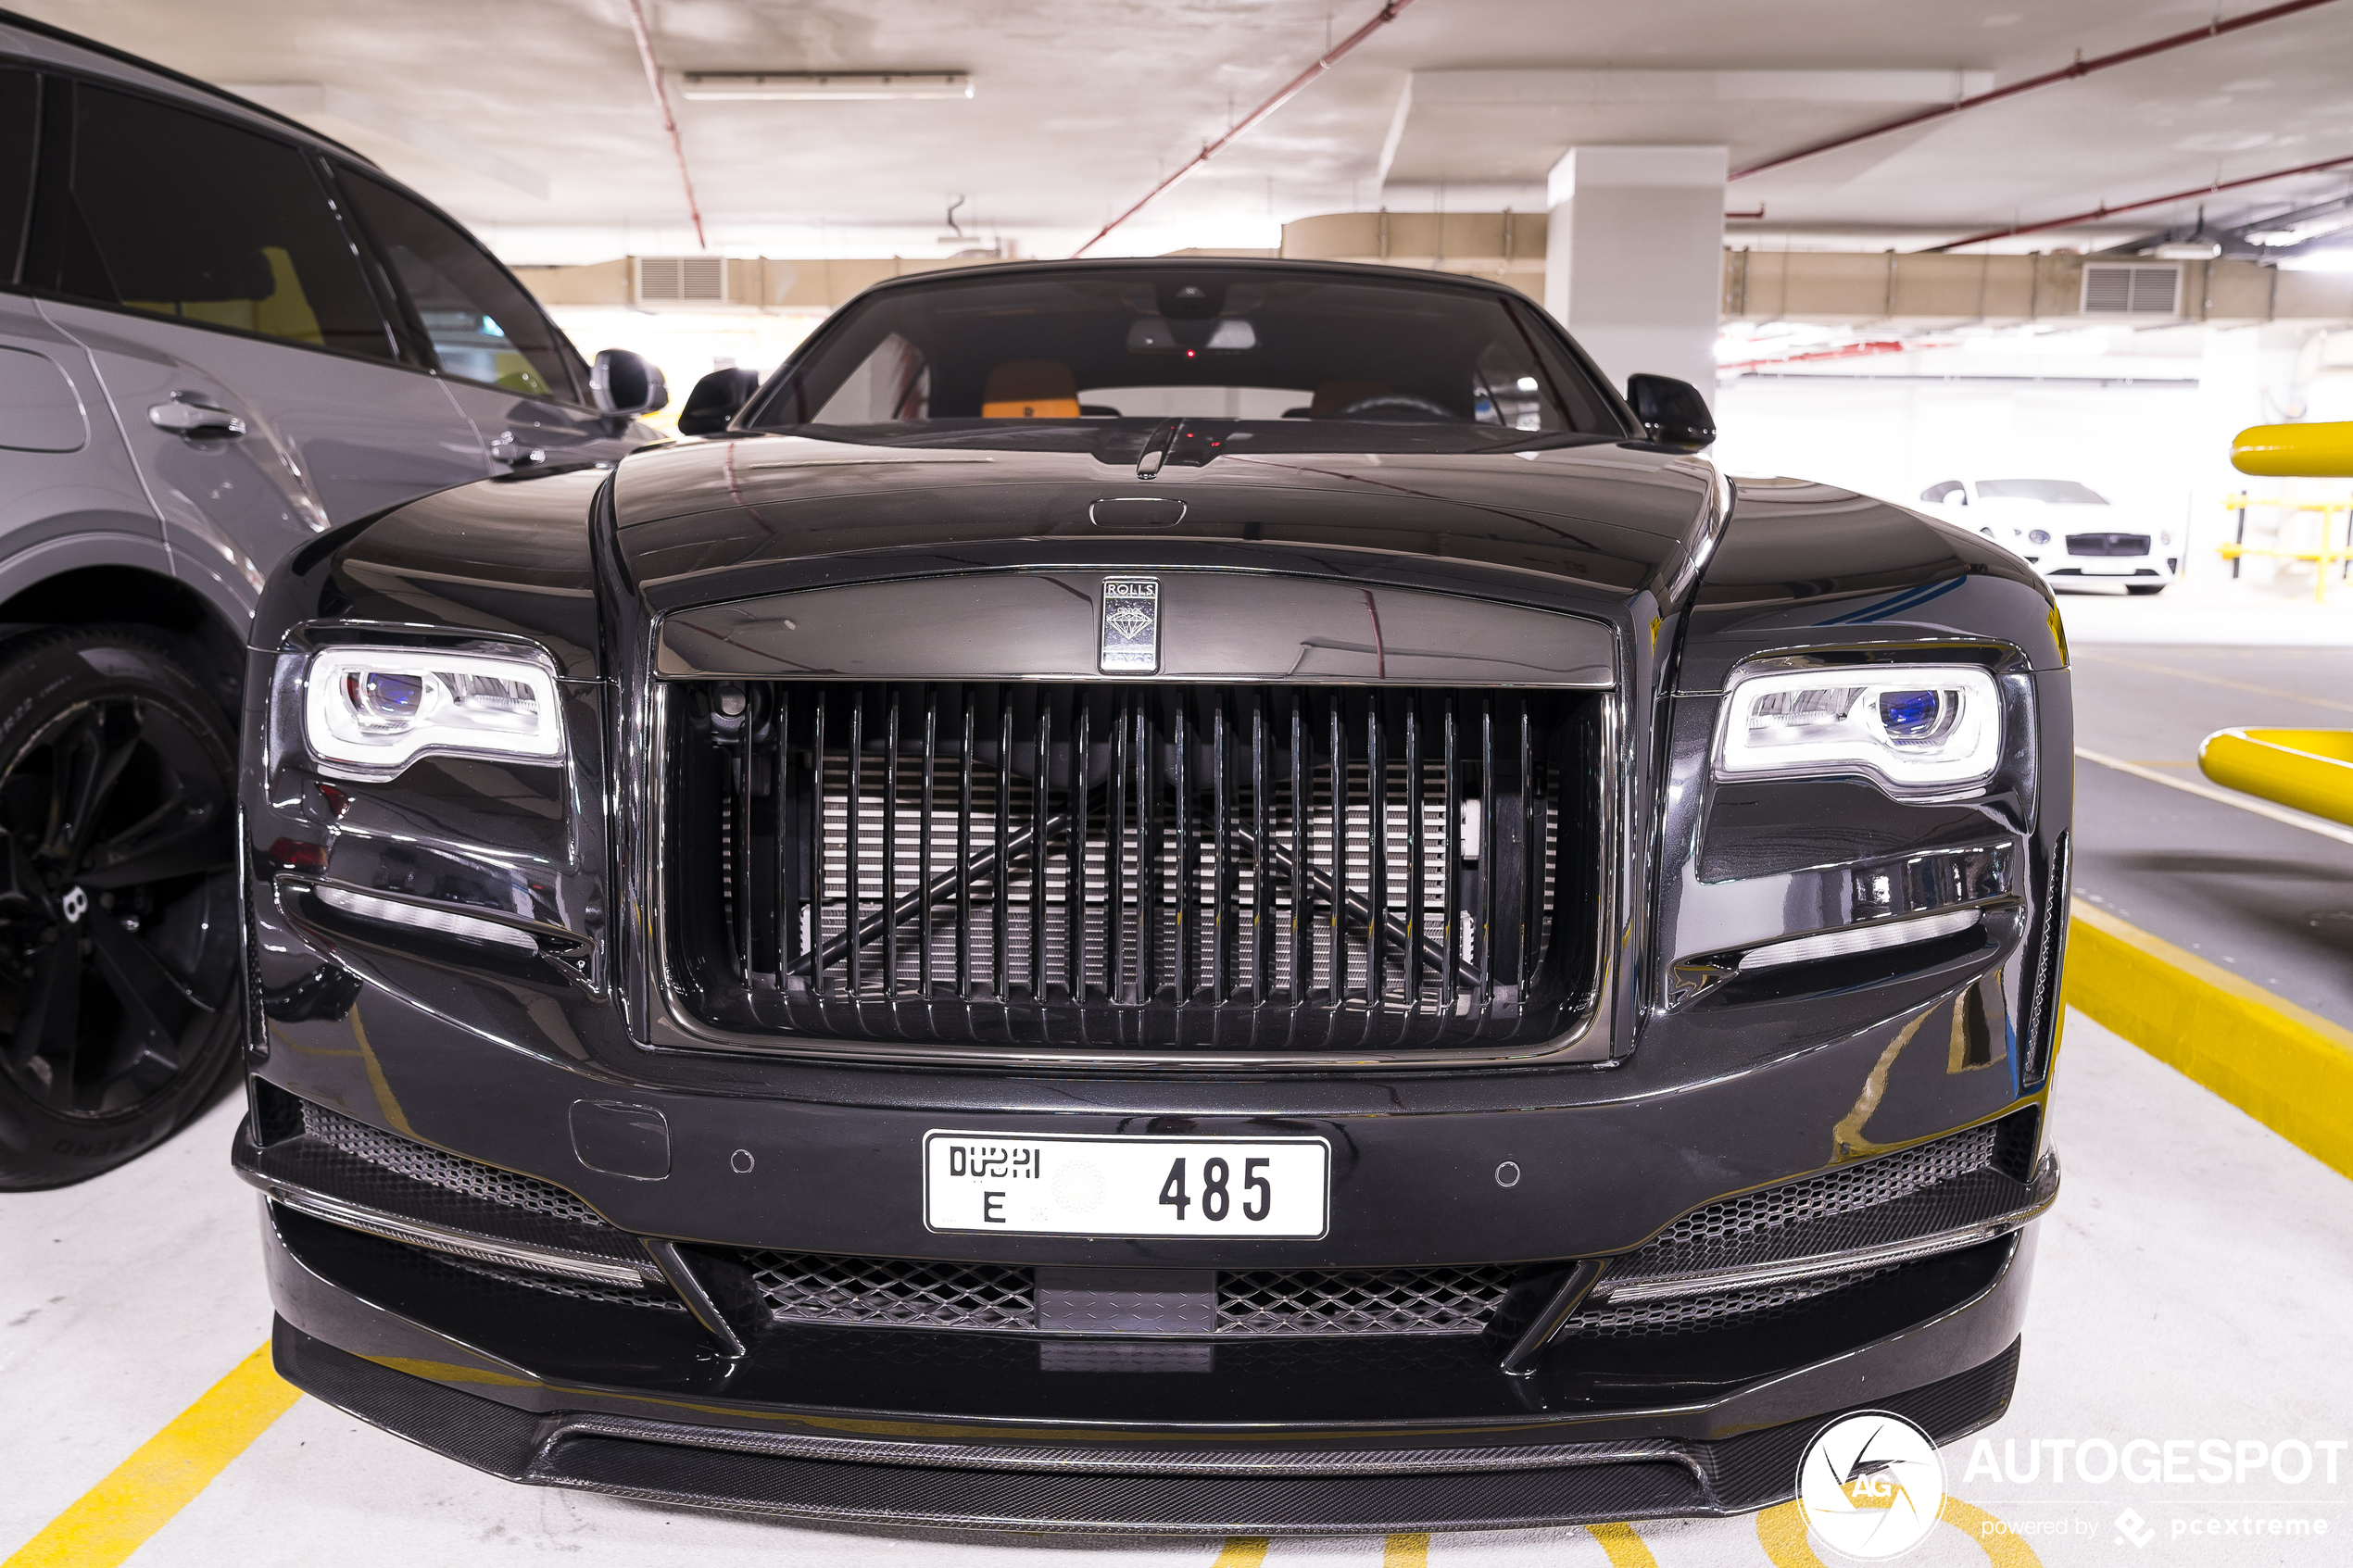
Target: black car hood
700,521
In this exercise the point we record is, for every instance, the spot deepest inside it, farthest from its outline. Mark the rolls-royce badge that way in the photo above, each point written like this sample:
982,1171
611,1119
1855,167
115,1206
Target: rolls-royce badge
1131,624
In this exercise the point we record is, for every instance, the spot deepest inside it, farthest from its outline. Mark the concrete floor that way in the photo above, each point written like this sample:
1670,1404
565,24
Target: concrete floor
2192,1286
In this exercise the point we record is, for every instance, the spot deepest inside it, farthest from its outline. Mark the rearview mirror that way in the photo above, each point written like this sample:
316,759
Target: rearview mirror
715,400
623,382
1673,413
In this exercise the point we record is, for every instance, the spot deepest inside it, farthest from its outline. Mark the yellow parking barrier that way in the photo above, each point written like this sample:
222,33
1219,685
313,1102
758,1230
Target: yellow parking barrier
2309,769
2321,559
2316,451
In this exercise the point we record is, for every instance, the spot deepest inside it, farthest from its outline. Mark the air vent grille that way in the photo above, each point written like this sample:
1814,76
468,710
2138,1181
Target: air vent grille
682,280
2114,289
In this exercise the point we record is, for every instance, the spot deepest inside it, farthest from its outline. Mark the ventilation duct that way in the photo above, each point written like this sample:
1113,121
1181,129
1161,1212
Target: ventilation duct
682,280
2125,289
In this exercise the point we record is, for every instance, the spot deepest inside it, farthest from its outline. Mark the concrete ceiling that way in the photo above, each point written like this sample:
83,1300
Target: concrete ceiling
531,118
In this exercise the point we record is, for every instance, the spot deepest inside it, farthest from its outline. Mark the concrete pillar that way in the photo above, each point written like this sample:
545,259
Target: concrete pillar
1634,257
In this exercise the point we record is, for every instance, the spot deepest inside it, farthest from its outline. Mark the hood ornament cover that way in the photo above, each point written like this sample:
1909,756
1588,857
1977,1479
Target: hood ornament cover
1131,626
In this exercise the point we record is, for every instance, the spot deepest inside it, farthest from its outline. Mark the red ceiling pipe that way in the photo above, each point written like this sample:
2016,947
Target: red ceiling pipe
669,121
1288,91
2104,212
2081,67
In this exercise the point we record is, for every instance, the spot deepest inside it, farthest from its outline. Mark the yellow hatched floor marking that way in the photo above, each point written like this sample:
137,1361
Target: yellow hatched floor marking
1623,1548
1408,1551
1241,1551
114,1518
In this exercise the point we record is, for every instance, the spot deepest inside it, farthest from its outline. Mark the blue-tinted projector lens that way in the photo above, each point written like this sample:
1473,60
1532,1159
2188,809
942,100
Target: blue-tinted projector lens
1907,714
396,696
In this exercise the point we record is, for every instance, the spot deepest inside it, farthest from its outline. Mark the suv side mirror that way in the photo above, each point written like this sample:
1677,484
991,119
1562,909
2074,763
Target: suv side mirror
714,401
1672,411
625,383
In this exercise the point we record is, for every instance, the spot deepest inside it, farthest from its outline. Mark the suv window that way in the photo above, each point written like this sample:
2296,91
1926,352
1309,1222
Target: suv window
482,325
183,216
18,102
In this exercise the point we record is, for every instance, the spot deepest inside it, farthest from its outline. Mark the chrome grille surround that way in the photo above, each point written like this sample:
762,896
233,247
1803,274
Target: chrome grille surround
829,878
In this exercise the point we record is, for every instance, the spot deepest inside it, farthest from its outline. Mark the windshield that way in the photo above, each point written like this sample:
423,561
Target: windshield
2053,491
1245,359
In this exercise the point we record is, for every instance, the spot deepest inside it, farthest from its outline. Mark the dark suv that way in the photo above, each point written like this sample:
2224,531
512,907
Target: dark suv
220,336
1172,895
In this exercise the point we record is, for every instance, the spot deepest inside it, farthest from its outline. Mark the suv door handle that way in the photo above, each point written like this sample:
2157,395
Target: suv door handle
507,449
187,416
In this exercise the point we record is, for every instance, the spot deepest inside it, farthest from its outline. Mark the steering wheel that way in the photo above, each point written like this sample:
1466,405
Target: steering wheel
1400,402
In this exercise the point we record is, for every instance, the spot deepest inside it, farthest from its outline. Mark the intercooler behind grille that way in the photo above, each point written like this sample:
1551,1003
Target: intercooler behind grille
1270,868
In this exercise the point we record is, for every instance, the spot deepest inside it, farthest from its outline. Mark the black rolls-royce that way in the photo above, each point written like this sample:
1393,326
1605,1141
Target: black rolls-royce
1175,894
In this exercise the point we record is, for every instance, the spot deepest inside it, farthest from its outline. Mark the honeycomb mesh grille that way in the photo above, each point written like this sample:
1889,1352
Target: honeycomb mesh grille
1688,1314
1289,1303
468,1177
1874,1182
1334,1302
907,1293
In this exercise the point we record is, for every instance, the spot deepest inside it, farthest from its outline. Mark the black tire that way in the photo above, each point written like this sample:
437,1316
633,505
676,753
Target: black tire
2142,590
121,1001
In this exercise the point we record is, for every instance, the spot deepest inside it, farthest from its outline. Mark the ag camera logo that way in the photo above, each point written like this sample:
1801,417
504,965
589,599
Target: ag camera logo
1871,1486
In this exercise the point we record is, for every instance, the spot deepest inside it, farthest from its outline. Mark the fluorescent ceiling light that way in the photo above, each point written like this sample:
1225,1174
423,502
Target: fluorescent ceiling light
791,86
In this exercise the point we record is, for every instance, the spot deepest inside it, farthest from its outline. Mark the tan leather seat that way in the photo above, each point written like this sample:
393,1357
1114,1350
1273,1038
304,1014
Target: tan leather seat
1030,389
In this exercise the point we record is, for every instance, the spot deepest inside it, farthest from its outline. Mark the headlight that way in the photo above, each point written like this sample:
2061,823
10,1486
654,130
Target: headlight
2039,536
2165,538
368,713
1915,729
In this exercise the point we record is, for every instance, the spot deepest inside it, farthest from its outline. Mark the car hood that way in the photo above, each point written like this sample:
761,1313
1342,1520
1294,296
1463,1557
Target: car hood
702,521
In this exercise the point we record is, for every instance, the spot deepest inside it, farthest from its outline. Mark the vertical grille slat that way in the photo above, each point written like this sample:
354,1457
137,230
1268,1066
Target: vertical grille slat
1135,867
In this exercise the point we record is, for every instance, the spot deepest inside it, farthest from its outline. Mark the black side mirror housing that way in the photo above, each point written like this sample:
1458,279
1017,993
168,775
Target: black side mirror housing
715,400
1672,412
626,384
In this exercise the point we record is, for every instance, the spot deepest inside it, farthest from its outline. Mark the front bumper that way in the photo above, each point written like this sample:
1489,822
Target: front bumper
562,1381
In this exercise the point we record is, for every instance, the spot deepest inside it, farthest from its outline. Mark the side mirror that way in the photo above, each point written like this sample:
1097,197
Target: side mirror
714,401
1672,411
625,384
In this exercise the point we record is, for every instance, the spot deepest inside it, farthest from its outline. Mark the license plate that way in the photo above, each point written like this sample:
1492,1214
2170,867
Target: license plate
1067,1185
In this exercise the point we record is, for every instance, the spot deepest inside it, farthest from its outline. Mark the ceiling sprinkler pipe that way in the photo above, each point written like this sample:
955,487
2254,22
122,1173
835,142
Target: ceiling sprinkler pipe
2080,67
1211,149
2071,219
669,121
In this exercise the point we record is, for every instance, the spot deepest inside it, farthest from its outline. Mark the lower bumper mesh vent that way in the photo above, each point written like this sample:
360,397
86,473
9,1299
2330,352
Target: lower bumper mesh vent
448,1172
1257,1303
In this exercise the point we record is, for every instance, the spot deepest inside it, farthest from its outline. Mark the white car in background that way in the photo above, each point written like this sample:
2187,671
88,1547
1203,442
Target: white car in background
2064,529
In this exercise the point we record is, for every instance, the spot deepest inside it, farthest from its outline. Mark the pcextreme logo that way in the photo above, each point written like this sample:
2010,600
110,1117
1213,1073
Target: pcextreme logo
1870,1485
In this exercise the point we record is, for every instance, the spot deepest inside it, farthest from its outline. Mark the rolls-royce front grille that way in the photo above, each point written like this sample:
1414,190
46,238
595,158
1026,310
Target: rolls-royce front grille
1267,869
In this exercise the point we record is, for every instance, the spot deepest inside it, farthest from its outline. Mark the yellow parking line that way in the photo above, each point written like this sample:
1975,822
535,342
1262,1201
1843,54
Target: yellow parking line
1410,1550
114,1518
1622,1547
1241,1551
1782,1532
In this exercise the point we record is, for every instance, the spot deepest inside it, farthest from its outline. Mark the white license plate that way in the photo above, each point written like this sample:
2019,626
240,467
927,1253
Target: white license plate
1126,1186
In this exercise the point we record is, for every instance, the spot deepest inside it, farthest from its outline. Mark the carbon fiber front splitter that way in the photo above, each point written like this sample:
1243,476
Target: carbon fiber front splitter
729,1469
